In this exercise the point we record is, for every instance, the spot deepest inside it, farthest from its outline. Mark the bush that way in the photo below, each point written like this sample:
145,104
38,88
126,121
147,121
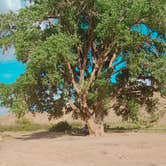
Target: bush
62,126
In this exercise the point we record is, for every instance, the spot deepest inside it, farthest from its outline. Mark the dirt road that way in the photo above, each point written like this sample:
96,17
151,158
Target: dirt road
51,149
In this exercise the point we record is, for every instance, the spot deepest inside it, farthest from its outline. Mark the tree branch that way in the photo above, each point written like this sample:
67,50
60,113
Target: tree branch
98,65
75,85
113,58
73,106
80,52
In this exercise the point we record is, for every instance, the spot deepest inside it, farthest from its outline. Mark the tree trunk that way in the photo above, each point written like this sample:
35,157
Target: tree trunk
94,121
95,128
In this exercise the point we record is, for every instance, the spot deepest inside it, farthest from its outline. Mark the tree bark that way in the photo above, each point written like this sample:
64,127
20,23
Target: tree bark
95,128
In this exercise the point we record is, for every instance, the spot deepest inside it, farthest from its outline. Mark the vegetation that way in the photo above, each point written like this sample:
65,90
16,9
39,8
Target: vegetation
77,128
69,63
69,128
62,126
134,127
23,124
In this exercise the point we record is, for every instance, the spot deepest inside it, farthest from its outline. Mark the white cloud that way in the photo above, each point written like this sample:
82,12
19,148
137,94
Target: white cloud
3,110
10,5
8,55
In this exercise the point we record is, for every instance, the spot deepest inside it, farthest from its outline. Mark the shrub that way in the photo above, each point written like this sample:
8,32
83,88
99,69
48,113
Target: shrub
62,126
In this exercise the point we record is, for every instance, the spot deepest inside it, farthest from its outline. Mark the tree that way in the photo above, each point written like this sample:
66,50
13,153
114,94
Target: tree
69,63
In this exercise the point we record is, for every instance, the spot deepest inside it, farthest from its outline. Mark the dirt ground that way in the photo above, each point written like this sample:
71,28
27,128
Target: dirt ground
52,149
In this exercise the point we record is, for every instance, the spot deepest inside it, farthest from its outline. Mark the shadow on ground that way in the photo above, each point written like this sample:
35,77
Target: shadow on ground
47,135
54,134
40,135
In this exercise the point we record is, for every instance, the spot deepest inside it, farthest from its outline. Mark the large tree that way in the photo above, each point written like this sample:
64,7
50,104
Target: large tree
70,61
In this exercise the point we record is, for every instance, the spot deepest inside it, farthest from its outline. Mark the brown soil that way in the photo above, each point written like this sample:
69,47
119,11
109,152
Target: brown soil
52,149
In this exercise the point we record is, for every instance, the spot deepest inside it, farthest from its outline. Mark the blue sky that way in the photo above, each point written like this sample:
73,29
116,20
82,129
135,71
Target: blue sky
10,67
10,71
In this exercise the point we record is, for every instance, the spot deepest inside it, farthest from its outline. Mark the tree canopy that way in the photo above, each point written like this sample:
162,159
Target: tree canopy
70,60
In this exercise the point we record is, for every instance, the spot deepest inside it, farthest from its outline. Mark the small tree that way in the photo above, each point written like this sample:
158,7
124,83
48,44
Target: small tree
69,63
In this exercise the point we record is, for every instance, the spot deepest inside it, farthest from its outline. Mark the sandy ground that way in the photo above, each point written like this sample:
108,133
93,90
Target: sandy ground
52,149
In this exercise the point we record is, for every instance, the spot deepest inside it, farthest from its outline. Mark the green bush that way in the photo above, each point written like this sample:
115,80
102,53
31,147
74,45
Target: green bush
62,126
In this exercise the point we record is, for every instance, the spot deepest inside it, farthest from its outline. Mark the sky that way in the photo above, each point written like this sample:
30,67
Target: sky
3,110
10,67
10,5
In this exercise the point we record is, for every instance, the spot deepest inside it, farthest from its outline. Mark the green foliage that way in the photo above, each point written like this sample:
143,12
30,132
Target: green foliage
47,58
62,126
133,106
127,108
160,74
19,107
74,128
